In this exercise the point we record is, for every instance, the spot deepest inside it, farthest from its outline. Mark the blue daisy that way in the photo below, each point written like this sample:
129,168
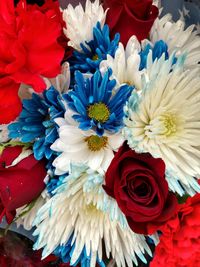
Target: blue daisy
96,104
36,122
158,50
89,58
54,182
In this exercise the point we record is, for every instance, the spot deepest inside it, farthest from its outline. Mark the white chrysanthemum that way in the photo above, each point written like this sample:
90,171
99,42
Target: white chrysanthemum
165,121
125,64
177,38
80,22
26,214
81,209
77,146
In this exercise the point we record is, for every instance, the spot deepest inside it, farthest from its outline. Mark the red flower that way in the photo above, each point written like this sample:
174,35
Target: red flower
137,182
130,17
30,34
52,8
21,183
28,50
180,243
10,104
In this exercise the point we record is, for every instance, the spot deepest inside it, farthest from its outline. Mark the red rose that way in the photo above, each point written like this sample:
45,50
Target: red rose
137,182
130,17
180,242
21,183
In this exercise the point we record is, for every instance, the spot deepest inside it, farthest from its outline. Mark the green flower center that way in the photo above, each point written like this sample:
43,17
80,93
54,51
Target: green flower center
95,57
99,112
96,143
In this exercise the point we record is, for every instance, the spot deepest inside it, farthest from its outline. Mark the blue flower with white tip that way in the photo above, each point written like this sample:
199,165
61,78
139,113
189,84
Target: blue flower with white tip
97,104
159,48
53,183
94,51
36,122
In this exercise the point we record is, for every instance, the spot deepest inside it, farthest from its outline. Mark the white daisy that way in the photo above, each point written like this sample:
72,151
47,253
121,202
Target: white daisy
166,120
125,64
77,146
80,22
75,216
177,38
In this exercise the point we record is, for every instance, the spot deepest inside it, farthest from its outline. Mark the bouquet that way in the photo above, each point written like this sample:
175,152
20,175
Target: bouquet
100,124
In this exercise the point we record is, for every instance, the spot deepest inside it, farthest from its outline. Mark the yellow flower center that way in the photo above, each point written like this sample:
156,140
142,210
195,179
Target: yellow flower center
99,112
91,210
165,125
169,124
96,143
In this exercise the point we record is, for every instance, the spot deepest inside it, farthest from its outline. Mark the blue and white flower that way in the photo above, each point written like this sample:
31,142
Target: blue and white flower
80,22
157,51
96,103
77,146
36,122
80,219
129,64
125,64
94,51
177,37
164,120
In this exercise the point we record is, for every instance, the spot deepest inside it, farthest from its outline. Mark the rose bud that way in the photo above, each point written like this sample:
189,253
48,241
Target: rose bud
130,17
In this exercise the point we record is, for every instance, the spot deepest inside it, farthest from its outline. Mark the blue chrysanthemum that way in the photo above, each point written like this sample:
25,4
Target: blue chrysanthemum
89,58
36,122
158,50
96,104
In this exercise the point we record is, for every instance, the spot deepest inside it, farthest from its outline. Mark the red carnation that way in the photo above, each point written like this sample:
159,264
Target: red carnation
52,7
28,50
130,17
180,243
137,182
21,183
10,104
